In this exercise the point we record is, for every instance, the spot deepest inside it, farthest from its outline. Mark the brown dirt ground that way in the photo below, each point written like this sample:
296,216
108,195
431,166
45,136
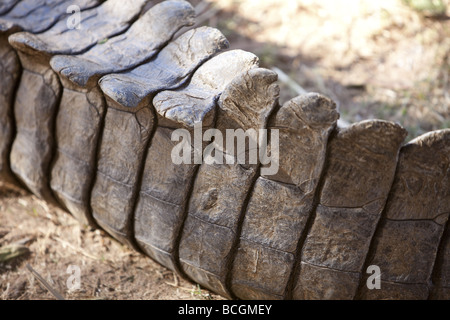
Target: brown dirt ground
376,59
55,241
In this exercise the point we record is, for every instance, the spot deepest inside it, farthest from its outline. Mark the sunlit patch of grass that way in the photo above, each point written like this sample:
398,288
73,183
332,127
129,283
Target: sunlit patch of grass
428,7
227,26
197,292
268,55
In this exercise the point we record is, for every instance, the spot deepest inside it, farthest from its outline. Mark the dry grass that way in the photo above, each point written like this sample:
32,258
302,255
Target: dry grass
54,241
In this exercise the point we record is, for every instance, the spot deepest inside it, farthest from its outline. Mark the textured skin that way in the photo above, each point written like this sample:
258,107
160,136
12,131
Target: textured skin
415,217
7,5
97,24
361,167
39,92
124,170
161,210
9,74
79,128
341,201
38,15
142,83
139,43
219,191
26,15
272,226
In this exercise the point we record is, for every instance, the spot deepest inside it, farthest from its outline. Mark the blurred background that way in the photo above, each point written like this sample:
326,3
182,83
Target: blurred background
385,59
